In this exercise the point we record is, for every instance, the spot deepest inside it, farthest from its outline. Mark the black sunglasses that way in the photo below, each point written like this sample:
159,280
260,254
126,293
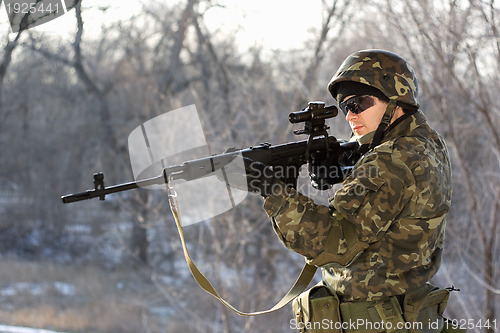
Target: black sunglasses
357,104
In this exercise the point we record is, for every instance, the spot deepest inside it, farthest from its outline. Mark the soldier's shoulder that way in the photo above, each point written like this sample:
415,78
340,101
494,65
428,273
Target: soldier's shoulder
406,145
405,150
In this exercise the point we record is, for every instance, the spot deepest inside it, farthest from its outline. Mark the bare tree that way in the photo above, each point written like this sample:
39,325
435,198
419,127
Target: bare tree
6,60
334,19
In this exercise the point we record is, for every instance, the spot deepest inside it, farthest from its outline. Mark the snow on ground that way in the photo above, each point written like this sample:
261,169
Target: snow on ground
19,329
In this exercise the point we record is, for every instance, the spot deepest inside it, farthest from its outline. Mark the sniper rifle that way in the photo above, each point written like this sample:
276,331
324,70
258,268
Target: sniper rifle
319,150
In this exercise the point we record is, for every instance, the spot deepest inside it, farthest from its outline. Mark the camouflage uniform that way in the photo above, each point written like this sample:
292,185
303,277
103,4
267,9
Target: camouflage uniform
382,234
383,231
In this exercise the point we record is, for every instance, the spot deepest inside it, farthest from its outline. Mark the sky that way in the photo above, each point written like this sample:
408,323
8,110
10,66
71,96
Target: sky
271,24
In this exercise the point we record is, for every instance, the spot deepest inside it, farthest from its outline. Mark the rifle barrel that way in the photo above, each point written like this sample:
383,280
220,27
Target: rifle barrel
102,192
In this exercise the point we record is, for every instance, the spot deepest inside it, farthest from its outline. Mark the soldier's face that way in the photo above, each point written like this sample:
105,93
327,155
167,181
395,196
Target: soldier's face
368,120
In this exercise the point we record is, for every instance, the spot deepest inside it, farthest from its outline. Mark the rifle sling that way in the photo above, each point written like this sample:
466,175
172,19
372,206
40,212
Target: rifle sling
299,286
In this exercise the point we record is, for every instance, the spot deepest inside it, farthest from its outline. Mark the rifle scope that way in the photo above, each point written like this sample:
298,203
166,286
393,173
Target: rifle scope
314,111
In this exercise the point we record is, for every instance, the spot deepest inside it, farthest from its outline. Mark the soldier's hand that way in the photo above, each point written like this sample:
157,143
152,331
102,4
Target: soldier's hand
326,174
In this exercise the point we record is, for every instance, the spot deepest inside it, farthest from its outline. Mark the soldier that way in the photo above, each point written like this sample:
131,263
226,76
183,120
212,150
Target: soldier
380,240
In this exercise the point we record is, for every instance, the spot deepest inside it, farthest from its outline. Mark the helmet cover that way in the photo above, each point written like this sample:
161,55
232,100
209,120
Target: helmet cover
384,70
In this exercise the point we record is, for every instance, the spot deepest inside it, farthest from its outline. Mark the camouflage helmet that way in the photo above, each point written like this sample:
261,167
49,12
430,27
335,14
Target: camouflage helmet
383,70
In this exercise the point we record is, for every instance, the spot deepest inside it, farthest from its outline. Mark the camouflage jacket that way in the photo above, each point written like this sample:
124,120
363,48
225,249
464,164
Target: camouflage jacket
383,231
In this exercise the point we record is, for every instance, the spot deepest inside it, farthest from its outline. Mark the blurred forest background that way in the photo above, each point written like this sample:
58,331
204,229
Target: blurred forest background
67,106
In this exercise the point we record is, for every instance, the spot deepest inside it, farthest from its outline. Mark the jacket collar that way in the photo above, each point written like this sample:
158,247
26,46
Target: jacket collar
404,125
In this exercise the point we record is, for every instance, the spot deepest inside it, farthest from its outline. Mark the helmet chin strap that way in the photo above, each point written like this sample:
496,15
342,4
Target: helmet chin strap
386,120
